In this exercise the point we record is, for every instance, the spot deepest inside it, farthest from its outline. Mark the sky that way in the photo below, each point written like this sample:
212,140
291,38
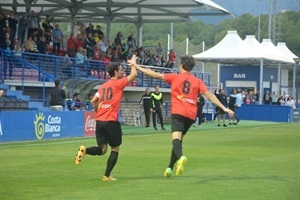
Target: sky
254,7
239,7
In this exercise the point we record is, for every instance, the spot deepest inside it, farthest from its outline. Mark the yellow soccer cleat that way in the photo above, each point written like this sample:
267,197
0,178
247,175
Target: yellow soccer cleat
180,165
81,153
168,172
105,178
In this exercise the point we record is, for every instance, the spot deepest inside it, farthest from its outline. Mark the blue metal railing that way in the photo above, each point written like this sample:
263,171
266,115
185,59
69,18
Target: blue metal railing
43,68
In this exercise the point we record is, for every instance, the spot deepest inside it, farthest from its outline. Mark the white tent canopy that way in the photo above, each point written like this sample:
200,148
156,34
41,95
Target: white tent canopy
233,50
261,50
281,46
270,47
230,50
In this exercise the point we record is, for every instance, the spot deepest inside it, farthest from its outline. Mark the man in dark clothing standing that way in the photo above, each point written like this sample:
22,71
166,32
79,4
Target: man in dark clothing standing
157,101
57,95
200,104
220,112
147,103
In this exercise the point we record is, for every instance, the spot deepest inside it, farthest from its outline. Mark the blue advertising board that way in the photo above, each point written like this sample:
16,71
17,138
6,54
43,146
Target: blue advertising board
31,125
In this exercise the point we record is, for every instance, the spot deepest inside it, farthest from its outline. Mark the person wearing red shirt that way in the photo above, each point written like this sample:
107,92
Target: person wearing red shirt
71,42
79,42
106,103
185,88
172,58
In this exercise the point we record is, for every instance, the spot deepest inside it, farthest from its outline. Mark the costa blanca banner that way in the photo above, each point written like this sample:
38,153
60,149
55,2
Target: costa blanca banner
30,125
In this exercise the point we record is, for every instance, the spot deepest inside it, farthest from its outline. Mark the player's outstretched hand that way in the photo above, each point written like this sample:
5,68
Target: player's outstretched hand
230,112
132,61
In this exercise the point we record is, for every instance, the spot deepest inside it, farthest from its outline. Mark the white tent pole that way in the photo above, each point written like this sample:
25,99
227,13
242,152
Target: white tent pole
203,49
168,46
171,35
261,89
279,79
187,47
218,74
140,36
294,80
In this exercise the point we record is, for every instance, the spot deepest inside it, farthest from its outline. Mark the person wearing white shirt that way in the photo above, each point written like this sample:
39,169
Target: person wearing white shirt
238,104
290,102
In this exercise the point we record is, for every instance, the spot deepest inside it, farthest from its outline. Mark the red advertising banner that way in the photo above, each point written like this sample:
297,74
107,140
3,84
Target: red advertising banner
89,123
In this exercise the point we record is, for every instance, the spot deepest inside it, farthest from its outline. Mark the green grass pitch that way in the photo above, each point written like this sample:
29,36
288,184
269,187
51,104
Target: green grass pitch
250,161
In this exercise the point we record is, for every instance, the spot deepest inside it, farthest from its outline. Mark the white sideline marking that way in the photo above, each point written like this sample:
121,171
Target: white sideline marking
4,146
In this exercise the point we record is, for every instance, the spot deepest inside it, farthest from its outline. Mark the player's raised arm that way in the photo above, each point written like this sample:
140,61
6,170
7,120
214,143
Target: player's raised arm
148,72
211,97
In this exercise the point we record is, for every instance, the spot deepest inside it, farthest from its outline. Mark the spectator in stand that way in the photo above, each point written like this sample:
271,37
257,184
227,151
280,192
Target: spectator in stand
172,59
98,30
57,37
33,22
29,45
40,30
22,26
290,102
34,43
79,42
256,97
42,46
267,98
280,101
159,49
118,39
47,29
274,98
7,45
89,29
131,39
89,45
77,28
80,57
97,53
3,25
102,46
285,96
17,46
107,58
96,38
71,43
12,21
249,98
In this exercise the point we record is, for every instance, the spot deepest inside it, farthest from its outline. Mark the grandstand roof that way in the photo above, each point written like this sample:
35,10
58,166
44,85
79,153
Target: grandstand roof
119,11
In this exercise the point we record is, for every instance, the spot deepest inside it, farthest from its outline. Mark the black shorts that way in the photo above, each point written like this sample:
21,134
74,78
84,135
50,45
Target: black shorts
108,133
220,111
181,123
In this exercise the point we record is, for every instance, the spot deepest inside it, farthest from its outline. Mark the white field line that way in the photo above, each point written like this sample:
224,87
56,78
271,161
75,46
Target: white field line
53,142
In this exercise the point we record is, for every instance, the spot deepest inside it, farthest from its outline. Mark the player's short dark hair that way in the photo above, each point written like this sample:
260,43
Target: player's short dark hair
187,62
57,82
114,66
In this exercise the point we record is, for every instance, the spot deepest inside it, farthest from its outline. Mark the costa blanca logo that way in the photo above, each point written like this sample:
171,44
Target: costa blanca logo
39,126
52,125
